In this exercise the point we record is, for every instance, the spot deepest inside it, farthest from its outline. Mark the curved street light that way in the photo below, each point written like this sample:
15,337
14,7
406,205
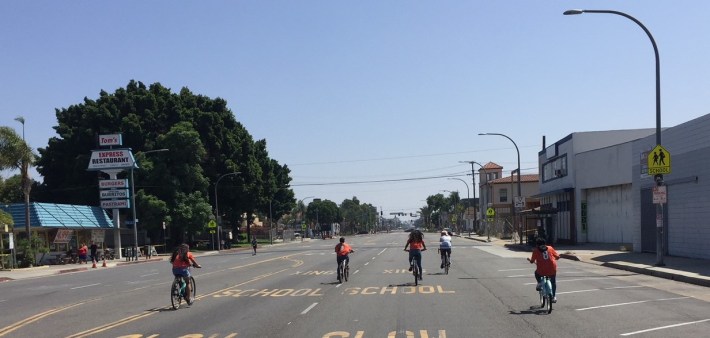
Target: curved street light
658,177
216,208
520,192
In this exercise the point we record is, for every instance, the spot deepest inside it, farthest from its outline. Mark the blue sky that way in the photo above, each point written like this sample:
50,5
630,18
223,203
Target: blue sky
356,91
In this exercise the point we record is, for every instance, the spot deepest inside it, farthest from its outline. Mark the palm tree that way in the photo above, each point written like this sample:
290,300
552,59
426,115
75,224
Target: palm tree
15,154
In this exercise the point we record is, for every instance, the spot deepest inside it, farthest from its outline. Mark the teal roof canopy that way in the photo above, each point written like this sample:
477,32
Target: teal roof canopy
61,216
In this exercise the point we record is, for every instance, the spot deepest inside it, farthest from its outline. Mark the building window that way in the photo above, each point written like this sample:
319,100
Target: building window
554,169
503,193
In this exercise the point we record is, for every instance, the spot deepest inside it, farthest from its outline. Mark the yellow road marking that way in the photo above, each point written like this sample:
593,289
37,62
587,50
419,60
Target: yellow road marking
13,327
150,312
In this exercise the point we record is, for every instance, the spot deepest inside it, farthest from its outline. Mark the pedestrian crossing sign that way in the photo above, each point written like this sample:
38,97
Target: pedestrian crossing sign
659,161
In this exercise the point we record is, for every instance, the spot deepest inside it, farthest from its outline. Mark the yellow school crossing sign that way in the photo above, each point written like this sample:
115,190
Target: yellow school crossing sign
490,213
212,225
659,161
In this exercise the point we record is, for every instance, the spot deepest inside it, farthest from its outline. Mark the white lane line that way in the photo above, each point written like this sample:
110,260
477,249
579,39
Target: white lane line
383,250
85,286
373,258
528,275
514,269
356,271
366,263
591,290
572,280
150,274
630,303
309,308
664,327
3,300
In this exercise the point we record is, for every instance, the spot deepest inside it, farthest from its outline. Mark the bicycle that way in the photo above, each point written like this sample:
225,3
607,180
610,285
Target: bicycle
546,294
177,291
415,270
447,261
343,271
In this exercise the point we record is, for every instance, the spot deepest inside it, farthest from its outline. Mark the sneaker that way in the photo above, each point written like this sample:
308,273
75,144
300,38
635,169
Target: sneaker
554,299
442,265
538,287
420,278
190,301
410,268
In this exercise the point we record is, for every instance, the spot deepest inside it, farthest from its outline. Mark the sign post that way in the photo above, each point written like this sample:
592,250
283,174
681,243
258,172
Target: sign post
490,214
659,164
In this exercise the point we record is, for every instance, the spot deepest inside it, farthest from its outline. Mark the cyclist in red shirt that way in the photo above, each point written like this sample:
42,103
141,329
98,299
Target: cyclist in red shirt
416,246
546,258
182,259
342,251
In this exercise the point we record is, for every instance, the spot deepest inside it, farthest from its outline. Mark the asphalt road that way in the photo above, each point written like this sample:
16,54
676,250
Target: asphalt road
290,290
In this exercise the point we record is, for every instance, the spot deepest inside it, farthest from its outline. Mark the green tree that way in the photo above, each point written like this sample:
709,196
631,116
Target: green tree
324,213
16,154
205,142
11,189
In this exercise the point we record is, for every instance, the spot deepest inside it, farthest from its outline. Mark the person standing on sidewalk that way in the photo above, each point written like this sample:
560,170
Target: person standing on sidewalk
94,252
83,250
546,258
253,244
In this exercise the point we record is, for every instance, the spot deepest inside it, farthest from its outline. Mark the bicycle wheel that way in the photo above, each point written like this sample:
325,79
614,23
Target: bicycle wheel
548,296
346,272
415,269
175,297
447,264
340,272
193,287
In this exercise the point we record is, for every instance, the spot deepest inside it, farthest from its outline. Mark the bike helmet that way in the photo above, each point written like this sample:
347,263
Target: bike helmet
342,239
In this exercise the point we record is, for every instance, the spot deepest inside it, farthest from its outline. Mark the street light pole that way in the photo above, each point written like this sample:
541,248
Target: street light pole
468,196
520,192
216,206
303,211
488,233
658,177
133,202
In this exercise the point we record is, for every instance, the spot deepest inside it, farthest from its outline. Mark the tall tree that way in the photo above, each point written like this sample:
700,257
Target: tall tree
205,142
16,154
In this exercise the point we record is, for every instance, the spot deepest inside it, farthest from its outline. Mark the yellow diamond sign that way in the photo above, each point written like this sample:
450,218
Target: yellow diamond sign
659,161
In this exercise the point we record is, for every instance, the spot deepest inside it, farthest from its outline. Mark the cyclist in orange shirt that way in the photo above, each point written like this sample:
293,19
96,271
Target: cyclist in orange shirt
342,251
416,246
546,258
182,259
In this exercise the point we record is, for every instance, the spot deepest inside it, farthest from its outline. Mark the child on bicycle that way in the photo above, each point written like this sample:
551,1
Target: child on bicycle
182,259
416,246
342,251
546,258
444,247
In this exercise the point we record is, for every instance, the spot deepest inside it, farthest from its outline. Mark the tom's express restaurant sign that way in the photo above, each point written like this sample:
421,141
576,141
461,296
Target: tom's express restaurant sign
111,159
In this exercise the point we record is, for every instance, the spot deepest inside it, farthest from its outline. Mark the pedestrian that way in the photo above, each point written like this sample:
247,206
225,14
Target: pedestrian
94,252
83,250
253,244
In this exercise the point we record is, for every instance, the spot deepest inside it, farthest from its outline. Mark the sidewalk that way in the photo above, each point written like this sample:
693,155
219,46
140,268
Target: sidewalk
48,270
688,270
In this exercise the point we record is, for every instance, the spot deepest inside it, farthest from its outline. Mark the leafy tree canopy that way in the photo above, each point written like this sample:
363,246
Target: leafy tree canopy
204,142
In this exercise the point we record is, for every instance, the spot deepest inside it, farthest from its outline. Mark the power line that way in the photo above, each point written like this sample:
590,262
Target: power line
375,181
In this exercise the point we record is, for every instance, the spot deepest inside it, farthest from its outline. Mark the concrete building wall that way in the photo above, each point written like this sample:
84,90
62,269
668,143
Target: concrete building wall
688,186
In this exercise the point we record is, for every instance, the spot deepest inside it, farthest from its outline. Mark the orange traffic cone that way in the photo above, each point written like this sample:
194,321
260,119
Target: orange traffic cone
93,265
104,265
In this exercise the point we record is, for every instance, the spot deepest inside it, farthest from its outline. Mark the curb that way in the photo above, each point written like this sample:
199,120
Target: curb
659,274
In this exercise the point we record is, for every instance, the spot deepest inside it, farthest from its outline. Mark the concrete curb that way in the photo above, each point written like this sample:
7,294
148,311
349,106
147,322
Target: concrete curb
645,270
